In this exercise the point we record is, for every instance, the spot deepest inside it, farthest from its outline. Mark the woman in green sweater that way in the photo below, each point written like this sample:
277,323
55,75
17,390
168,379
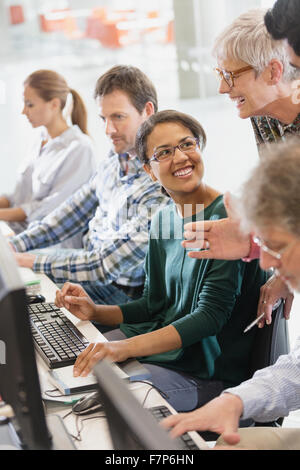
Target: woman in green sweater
188,326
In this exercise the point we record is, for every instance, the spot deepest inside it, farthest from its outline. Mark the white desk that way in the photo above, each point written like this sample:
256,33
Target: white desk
94,434
5,229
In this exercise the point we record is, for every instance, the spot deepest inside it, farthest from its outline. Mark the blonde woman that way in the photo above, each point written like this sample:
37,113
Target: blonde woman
61,161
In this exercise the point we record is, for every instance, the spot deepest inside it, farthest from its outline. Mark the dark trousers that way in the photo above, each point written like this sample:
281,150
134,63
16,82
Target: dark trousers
184,392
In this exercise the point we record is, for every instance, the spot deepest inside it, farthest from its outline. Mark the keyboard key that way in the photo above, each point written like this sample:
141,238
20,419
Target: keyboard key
185,441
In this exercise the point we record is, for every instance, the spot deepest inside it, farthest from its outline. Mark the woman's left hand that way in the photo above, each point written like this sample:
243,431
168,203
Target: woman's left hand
116,351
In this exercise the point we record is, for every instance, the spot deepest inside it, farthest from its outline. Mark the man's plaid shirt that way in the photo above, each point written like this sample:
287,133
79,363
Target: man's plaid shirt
113,211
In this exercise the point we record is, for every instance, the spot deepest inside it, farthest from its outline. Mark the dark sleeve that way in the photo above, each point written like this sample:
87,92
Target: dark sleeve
137,311
214,301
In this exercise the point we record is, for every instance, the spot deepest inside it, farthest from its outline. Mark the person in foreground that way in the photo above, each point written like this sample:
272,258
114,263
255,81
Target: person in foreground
270,205
188,326
112,212
61,160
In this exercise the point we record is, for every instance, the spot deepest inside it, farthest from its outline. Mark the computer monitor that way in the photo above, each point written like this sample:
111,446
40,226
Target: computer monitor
131,426
19,382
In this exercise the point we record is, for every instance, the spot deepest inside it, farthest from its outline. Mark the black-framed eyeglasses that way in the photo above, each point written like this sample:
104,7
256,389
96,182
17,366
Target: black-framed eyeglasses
230,76
188,146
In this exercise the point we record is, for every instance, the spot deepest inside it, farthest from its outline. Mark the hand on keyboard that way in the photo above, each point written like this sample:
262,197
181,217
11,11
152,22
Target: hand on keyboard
161,412
74,298
117,351
220,415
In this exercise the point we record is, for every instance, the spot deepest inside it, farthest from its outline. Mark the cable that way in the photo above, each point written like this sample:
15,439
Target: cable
79,419
48,393
80,429
163,394
57,395
65,416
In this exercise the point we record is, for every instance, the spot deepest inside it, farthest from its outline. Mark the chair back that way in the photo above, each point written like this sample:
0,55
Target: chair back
270,342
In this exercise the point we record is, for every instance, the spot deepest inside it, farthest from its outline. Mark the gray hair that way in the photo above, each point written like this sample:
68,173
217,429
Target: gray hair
247,39
271,196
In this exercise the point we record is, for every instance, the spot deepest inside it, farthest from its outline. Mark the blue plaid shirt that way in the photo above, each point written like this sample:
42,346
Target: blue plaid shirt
113,211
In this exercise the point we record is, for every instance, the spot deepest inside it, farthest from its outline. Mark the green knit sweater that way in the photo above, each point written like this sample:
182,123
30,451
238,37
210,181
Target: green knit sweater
209,302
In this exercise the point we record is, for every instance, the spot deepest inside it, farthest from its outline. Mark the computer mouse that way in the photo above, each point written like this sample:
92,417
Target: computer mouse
88,404
35,298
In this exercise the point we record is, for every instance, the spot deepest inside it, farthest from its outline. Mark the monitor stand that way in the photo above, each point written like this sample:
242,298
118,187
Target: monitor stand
62,440
8,437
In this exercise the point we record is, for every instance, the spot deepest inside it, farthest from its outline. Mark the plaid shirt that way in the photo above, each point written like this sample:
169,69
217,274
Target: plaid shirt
114,211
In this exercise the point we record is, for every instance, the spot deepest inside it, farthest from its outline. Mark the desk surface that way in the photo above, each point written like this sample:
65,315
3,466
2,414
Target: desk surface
94,432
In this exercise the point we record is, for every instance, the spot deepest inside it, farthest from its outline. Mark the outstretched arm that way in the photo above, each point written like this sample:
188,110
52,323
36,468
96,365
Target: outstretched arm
219,239
159,341
75,299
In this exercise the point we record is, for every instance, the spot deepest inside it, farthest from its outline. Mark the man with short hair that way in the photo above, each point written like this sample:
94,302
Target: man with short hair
283,22
270,207
112,211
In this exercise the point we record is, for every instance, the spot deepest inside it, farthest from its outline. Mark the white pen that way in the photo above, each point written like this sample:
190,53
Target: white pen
276,305
254,322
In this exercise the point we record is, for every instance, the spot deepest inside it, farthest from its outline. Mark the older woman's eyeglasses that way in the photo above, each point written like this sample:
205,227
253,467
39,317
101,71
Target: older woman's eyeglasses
266,249
164,154
230,76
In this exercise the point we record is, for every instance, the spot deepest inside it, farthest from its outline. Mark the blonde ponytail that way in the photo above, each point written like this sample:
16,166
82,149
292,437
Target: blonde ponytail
49,85
79,113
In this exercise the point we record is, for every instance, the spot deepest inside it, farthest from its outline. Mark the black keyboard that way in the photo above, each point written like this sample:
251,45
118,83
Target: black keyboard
56,338
185,441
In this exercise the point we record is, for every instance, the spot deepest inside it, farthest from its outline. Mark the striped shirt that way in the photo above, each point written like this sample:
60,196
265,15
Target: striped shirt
274,391
114,211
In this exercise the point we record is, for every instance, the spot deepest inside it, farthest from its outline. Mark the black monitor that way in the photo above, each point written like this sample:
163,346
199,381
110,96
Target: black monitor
131,426
19,382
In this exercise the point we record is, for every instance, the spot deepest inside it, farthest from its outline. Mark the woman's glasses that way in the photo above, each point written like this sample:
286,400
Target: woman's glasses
230,76
188,146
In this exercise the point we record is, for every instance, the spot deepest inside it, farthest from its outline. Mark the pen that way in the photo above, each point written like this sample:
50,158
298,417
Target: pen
276,305
254,323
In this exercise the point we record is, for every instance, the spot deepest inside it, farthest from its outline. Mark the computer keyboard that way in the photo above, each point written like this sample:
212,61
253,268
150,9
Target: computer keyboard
185,441
56,338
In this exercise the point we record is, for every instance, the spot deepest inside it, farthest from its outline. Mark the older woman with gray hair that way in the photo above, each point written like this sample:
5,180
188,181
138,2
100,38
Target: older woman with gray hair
270,206
255,72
